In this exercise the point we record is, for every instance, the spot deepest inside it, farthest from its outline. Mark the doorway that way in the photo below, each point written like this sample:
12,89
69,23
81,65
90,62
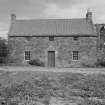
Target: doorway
51,58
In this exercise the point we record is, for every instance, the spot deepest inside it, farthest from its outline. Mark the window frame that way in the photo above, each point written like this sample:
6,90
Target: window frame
51,38
75,55
75,38
27,55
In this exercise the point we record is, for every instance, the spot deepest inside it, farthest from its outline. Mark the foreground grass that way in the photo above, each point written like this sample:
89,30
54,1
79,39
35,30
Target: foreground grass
45,87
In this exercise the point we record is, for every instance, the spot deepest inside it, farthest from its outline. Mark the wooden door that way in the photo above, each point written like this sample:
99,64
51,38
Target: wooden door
51,58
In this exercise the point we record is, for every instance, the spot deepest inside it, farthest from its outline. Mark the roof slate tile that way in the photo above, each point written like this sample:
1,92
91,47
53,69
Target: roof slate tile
47,27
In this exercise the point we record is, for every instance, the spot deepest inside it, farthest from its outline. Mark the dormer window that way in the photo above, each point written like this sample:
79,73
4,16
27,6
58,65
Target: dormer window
51,38
75,38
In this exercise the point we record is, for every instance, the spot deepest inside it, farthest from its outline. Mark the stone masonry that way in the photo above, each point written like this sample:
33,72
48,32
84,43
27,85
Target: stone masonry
34,35
63,47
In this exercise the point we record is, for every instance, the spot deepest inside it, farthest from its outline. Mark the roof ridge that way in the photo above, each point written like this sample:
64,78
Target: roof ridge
51,19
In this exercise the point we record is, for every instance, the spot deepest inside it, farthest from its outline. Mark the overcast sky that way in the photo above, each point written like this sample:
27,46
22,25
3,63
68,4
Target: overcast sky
27,9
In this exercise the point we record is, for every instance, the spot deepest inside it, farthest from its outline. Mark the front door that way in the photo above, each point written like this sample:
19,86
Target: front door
51,58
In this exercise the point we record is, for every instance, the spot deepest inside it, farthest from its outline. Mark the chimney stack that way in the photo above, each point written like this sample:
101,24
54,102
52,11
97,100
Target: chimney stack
13,17
89,16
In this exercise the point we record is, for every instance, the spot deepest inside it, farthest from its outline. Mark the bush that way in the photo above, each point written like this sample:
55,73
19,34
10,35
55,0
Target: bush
36,62
3,51
100,63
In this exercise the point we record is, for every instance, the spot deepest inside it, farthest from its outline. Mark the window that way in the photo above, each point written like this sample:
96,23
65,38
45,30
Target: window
27,55
102,29
75,55
51,38
28,38
75,38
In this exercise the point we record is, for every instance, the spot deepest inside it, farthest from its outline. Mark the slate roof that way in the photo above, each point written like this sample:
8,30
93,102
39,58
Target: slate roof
47,27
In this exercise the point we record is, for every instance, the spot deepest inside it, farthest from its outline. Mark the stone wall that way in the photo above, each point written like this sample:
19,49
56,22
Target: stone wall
63,47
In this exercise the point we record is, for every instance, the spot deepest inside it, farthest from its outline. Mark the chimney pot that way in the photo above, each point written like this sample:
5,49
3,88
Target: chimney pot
13,17
89,15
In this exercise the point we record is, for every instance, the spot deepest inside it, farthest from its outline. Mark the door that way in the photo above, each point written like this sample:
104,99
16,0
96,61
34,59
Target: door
51,58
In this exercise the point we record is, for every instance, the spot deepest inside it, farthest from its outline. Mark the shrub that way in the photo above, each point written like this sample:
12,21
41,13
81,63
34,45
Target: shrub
3,51
36,62
100,63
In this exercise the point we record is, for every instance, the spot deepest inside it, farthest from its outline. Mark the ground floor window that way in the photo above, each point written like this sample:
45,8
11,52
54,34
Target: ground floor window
75,55
27,55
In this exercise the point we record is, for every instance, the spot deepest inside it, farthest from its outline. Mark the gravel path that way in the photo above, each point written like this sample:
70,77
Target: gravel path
73,70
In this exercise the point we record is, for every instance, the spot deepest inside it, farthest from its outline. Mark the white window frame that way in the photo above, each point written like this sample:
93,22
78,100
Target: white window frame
27,55
75,55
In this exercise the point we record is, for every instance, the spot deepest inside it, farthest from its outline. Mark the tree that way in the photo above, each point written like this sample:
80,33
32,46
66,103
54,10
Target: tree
3,50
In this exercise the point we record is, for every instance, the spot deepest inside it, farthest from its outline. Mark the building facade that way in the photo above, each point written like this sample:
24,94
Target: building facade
55,42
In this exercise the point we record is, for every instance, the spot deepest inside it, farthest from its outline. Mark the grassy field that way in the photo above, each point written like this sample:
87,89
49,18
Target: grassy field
52,86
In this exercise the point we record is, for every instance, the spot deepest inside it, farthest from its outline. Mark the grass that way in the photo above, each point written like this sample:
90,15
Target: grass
43,85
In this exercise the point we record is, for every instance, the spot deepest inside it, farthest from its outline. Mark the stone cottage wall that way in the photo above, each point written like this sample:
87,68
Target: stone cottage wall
63,47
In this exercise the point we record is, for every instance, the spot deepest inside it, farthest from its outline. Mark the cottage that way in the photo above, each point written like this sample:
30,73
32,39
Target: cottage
55,42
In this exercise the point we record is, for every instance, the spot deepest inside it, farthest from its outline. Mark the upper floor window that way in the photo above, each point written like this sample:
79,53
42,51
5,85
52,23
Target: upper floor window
51,38
28,38
27,55
75,55
75,38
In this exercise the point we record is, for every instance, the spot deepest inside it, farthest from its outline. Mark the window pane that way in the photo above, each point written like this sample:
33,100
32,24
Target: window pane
75,38
75,55
27,55
51,38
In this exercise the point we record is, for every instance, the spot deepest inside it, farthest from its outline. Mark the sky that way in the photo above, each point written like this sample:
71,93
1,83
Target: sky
35,9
